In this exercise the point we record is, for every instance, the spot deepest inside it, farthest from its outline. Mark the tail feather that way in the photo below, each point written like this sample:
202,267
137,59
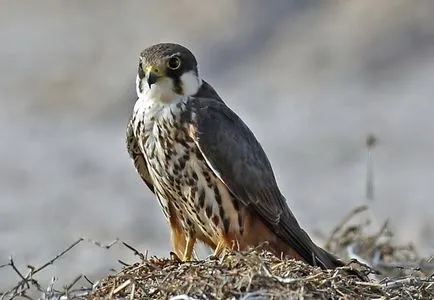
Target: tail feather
324,259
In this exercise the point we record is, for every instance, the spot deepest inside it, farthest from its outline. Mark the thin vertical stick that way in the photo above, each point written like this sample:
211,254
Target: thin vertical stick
371,140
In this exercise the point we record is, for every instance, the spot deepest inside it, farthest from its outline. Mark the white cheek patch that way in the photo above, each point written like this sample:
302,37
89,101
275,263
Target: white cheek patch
163,90
190,83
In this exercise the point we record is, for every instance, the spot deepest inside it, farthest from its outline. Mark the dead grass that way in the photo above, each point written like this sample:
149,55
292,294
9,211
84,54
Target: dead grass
252,275
236,275
394,271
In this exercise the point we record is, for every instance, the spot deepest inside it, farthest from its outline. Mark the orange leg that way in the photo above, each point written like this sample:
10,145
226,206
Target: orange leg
189,247
219,249
178,243
182,244
177,235
223,245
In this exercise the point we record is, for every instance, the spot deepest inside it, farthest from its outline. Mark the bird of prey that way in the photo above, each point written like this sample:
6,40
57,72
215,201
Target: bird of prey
208,171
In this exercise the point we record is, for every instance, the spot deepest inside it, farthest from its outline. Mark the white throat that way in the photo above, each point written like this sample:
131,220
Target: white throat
163,91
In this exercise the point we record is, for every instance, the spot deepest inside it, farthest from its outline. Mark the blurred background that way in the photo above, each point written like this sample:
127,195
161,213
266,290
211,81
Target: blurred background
311,78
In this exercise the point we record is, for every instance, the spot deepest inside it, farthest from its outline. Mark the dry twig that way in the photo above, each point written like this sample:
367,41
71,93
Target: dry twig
255,274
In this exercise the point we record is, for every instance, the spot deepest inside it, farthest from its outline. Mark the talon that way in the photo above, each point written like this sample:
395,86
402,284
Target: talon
211,257
174,257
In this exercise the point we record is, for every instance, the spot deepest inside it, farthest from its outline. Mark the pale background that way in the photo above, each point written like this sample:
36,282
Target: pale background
310,78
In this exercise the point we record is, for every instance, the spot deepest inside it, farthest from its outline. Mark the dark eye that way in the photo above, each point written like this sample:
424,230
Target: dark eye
174,63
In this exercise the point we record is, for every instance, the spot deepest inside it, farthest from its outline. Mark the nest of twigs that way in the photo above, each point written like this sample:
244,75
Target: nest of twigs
395,272
251,275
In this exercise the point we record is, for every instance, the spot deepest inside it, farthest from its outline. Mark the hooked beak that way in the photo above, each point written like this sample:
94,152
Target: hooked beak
152,78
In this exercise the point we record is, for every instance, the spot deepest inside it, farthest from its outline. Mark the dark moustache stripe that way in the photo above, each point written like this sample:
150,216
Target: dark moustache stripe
140,71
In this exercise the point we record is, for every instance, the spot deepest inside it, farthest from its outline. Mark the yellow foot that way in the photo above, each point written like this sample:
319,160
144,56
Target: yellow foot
188,252
219,249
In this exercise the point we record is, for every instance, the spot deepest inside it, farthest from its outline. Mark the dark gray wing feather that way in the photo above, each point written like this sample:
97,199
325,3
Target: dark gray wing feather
237,158
137,156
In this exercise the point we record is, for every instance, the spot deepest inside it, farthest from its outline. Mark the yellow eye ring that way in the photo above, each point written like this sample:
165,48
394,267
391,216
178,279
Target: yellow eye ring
174,63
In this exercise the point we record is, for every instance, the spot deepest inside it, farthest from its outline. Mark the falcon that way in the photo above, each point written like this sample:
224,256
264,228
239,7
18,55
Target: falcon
208,171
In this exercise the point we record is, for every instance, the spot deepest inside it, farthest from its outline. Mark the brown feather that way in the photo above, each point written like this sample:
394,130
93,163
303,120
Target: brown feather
137,156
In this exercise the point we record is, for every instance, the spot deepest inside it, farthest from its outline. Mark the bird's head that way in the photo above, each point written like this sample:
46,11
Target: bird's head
166,72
